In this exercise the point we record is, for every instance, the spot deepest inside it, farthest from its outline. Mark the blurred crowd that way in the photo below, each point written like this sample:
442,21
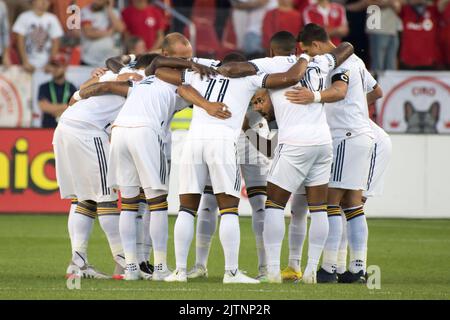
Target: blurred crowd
52,34
399,34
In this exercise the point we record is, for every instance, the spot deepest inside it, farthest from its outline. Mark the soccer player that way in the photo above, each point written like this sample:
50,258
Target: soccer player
254,167
347,115
378,164
81,144
304,153
144,116
211,147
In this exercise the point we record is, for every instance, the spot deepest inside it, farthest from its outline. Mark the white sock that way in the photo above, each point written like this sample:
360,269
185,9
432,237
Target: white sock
70,227
147,238
357,238
159,232
128,234
82,228
297,230
206,227
274,229
140,238
230,238
318,233
258,204
342,253
183,234
330,251
110,226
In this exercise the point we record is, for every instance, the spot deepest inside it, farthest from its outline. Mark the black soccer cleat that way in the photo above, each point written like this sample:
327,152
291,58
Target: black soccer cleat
144,266
324,276
349,277
150,267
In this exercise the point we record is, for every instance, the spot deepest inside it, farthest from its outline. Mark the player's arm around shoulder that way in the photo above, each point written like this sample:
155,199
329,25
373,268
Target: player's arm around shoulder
290,77
215,109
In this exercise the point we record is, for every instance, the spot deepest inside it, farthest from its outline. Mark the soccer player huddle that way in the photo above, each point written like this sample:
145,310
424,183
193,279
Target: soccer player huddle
329,158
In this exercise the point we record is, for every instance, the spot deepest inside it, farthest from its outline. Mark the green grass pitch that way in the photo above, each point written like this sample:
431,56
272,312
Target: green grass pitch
414,257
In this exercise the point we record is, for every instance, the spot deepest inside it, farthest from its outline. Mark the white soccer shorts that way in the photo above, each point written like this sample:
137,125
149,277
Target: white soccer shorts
215,157
351,159
81,164
137,159
379,161
296,166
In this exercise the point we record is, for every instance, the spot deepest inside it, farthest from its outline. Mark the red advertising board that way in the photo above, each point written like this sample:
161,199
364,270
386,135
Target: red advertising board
27,172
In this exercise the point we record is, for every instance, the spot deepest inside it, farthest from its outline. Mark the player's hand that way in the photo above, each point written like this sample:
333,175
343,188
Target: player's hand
98,72
204,71
300,95
218,110
130,76
72,101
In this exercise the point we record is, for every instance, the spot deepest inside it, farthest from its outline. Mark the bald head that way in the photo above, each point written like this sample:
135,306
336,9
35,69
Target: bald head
176,45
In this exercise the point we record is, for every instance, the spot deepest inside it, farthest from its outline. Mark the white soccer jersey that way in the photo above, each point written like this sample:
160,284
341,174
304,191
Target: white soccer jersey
300,125
350,116
235,93
98,112
150,104
207,62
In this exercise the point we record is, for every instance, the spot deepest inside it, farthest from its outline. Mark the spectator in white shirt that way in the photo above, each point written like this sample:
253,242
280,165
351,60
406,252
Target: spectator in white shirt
100,22
4,34
38,33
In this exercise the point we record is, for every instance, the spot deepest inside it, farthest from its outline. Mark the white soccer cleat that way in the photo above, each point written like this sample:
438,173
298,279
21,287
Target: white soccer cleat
160,273
309,277
238,277
132,275
198,271
176,276
145,275
89,272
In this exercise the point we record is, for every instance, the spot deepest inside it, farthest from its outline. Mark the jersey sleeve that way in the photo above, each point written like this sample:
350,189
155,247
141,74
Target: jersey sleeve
108,76
257,82
207,62
265,65
370,81
187,76
340,74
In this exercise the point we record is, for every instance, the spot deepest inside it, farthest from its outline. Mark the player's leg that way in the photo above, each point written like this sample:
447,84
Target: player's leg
327,273
225,174
230,238
342,253
357,235
349,175
82,222
183,235
108,217
159,230
255,177
206,227
73,206
192,179
143,235
297,235
128,231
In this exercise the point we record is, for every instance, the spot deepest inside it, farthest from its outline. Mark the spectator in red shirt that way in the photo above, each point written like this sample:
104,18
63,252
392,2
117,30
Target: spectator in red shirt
444,9
420,38
329,15
285,17
145,21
